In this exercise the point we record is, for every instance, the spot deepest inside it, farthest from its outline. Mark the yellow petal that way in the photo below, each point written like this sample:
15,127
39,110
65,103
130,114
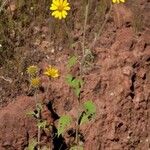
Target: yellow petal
114,1
65,3
60,15
122,1
55,2
53,7
60,2
55,14
67,8
64,14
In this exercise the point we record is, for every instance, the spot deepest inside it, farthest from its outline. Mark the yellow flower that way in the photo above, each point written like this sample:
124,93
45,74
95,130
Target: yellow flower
118,1
51,72
35,82
32,70
59,8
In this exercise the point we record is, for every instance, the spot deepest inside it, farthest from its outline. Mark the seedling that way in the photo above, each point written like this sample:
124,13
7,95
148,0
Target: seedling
88,108
88,113
34,79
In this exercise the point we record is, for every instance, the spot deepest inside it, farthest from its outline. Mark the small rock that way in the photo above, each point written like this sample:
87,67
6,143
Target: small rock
141,73
36,30
7,143
128,70
45,29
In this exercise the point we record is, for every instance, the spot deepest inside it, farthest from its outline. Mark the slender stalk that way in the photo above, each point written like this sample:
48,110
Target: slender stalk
39,138
68,31
77,123
84,36
102,27
84,27
38,117
47,96
6,79
81,66
3,5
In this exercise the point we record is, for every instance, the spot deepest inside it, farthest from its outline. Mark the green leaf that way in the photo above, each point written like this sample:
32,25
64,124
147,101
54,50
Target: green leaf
76,148
32,144
63,123
84,119
69,79
89,112
72,61
89,107
76,84
77,91
81,82
42,125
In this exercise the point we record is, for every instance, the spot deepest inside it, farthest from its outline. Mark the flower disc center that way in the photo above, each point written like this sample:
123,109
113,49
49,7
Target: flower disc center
60,7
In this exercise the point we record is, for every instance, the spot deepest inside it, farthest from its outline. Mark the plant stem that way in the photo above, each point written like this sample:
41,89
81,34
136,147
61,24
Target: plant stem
38,117
39,137
102,27
84,27
77,125
47,96
84,34
68,31
81,66
3,5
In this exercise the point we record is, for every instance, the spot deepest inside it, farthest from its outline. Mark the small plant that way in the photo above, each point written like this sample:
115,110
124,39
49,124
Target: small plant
85,112
88,112
35,83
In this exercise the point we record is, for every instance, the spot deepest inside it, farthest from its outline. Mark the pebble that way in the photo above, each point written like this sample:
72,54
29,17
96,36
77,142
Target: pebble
127,70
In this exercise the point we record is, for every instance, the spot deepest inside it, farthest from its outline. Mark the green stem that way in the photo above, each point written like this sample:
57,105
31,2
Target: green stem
38,117
47,96
77,126
81,67
39,137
